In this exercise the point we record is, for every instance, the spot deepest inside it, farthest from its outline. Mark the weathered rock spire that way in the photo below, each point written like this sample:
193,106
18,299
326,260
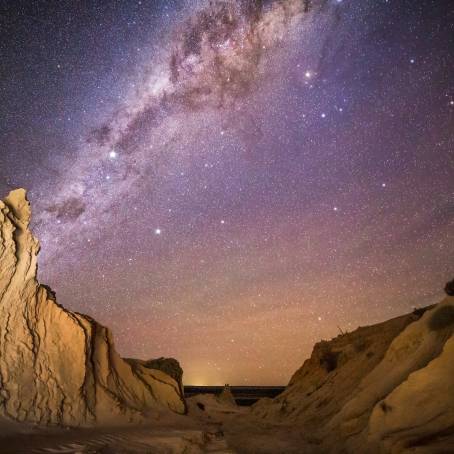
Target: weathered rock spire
57,366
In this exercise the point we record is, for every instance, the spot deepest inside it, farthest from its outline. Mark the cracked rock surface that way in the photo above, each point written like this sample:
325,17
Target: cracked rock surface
57,366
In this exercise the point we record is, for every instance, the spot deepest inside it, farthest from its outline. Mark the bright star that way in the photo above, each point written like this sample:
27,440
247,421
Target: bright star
113,154
157,231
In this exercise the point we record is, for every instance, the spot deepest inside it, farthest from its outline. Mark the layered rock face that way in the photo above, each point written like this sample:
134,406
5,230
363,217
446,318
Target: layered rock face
60,367
383,388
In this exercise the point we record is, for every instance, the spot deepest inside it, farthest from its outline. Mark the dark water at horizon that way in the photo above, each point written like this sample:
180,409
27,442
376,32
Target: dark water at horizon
244,395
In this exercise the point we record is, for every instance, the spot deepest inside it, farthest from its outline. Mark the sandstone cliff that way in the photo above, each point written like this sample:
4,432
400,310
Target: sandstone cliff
60,367
383,388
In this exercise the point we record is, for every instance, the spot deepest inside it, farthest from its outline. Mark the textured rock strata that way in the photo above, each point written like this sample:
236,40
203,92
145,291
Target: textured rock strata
57,366
383,388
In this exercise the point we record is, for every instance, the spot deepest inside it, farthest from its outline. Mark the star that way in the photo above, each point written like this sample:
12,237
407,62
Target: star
218,149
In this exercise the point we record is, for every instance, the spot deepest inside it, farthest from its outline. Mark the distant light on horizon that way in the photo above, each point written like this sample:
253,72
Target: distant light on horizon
212,190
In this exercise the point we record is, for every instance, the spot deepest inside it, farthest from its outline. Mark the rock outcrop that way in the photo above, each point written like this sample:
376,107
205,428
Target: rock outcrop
226,396
383,388
57,366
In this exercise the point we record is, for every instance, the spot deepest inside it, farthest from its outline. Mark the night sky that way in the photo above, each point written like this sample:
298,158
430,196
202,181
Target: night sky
229,182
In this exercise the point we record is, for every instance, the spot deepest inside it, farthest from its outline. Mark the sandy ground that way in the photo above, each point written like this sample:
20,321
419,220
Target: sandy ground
217,428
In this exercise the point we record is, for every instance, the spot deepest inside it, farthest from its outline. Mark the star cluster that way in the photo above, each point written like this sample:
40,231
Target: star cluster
229,182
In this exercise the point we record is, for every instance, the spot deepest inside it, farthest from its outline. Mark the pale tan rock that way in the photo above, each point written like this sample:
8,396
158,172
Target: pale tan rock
327,380
56,366
386,388
420,409
226,396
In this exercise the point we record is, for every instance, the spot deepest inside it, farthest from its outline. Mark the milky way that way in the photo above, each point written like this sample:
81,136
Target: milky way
228,182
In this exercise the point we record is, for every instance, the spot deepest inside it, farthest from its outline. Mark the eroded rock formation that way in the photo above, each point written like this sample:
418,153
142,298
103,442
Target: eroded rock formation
57,366
383,388
226,396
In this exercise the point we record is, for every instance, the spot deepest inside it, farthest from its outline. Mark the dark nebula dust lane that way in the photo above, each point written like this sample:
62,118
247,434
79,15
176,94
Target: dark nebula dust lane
227,182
